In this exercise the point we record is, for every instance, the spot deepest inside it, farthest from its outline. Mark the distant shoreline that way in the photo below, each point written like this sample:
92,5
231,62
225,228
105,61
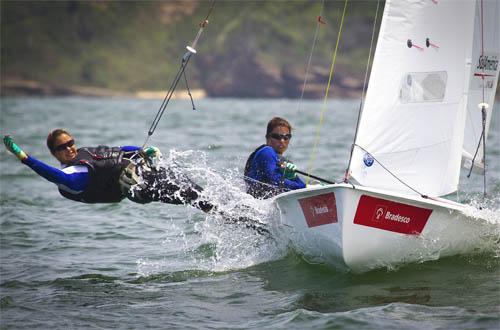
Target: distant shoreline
14,87
20,88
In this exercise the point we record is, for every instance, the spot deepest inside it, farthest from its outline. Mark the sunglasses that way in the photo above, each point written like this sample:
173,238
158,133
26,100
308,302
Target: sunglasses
277,136
63,146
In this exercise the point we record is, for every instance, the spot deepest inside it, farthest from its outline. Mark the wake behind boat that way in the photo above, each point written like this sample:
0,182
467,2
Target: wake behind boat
428,107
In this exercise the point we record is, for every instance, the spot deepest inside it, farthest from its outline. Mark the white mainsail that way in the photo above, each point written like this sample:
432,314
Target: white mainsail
483,78
412,126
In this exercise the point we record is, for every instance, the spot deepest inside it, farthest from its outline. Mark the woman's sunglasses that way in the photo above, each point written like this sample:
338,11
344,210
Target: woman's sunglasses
63,146
285,137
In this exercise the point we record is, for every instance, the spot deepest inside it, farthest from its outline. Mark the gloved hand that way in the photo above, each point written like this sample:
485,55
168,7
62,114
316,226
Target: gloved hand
128,178
14,148
288,170
152,155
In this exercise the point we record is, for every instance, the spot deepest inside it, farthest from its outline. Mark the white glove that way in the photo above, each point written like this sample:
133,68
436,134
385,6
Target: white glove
152,155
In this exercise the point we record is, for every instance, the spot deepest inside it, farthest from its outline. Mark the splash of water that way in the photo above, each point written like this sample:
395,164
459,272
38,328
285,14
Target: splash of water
220,243
487,213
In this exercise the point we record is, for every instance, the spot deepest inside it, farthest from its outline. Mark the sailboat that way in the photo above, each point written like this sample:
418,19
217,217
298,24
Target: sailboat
426,114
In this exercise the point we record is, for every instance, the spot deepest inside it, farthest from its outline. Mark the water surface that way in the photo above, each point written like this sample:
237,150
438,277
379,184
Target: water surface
69,265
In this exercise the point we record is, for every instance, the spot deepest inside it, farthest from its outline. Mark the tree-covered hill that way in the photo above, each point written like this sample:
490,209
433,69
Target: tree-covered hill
249,48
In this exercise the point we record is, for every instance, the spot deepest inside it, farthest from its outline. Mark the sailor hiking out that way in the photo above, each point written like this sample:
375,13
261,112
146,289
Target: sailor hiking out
109,174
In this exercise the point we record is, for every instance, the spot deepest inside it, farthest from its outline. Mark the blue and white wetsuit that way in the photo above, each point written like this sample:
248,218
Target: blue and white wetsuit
72,179
93,177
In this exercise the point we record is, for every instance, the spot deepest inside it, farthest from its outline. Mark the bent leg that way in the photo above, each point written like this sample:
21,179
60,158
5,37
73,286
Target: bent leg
167,186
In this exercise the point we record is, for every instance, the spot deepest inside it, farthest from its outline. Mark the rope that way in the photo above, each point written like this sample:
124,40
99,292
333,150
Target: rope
482,138
318,129
477,148
483,110
203,24
482,36
392,174
166,100
316,33
362,101
184,62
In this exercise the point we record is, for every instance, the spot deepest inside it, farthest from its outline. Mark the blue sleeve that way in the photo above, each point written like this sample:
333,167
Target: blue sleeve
76,181
268,163
296,183
130,148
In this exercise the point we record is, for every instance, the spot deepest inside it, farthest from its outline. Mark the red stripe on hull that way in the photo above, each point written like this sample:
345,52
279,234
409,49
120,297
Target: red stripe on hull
319,210
392,216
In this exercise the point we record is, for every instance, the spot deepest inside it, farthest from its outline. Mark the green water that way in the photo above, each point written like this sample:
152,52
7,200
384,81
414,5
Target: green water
66,265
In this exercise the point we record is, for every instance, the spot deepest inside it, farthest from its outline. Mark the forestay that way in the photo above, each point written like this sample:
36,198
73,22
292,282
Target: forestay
483,78
414,115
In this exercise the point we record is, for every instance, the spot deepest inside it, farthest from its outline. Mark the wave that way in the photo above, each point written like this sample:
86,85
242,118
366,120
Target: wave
229,239
216,245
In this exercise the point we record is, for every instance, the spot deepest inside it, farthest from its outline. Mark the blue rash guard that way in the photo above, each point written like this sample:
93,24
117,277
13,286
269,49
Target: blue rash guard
264,167
73,179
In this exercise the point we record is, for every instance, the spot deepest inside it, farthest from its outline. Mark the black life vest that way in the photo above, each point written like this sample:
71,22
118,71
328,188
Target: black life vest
250,159
104,165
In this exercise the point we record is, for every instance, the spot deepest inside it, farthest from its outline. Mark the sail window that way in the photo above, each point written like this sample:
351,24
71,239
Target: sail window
423,87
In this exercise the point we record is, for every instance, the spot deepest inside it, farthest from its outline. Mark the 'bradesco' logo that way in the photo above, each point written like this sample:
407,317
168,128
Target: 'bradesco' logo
379,213
397,217
392,216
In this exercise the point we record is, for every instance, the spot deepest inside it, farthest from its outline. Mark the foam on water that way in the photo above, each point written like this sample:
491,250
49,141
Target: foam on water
482,239
486,211
487,208
218,244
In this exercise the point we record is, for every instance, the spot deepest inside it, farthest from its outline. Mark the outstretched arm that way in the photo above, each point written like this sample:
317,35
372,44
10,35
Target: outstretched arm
130,148
73,177
14,148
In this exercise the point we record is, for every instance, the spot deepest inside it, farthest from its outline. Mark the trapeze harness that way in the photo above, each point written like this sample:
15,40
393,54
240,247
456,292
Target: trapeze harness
104,164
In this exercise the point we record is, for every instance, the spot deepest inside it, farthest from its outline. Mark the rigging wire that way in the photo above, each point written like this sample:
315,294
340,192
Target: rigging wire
361,105
392,174
325,99
362,101
188,90
184,62
483,106
315,39
483,109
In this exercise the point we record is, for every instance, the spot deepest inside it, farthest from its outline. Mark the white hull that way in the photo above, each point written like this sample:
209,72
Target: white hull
362,228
